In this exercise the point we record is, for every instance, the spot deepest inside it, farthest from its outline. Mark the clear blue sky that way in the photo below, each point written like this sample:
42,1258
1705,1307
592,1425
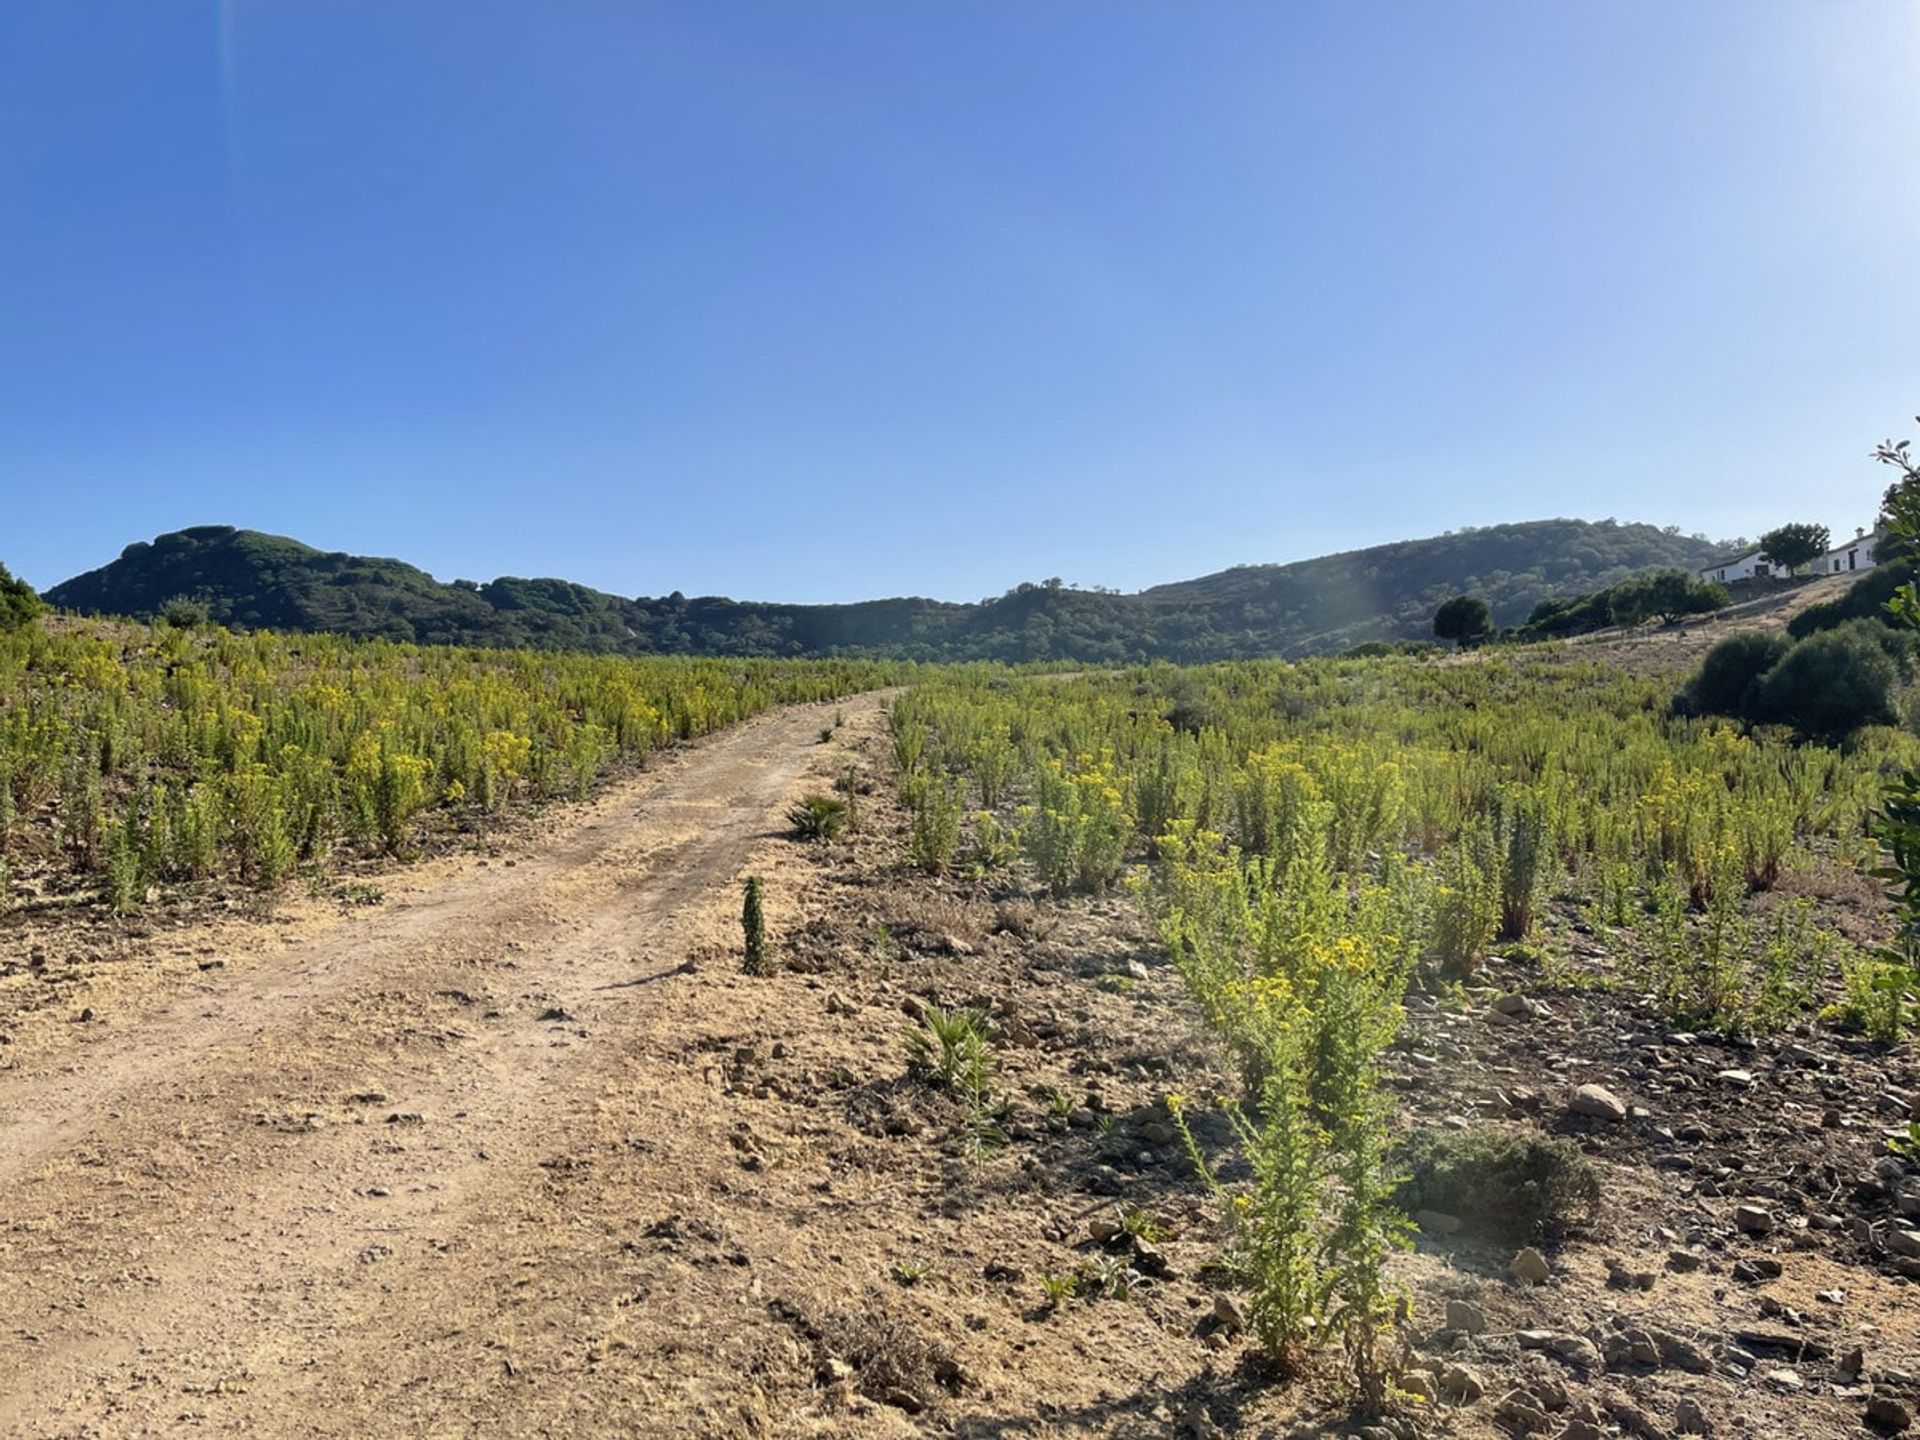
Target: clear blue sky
828,300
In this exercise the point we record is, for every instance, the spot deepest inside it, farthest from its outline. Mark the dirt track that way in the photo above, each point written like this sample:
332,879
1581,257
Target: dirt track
321,1189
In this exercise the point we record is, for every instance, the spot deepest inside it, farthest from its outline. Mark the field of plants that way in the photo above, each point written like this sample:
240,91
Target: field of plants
1311,840
138,759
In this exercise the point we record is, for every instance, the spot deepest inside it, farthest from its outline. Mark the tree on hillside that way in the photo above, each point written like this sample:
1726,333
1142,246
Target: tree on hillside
1791,546
1464,619
1668,594
18,602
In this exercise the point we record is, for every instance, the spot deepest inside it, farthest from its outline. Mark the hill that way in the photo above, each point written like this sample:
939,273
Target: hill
1385,592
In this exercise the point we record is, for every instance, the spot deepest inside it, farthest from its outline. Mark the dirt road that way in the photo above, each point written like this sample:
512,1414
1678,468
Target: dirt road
329,1188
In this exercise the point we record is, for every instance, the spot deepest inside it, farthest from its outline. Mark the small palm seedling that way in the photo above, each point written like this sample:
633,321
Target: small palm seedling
943,1048
1056,1289
819,817
911,1272
952,1052
753,927
826,734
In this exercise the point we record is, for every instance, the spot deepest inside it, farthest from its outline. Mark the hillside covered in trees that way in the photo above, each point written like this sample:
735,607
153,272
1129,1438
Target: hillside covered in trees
1388,592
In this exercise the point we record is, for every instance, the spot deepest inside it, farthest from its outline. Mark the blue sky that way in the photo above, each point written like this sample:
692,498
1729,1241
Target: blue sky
829,300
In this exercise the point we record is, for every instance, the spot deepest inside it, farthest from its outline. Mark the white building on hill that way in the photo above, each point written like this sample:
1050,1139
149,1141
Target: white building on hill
1744,566
1854,554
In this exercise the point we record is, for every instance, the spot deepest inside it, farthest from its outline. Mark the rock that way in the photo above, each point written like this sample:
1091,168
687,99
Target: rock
1889,1413
1785,1379
1901,1241
1622,1277
1597,1102
1753,1219
1853,1364
1102,1229
1420,1383
1518,1409
1514,1004
1682,1353
1690,1419
1467,1318
1435,1222
1149,1260
1227,1313
1462,1385
1581,1430
1530,1267
1683,1262
1575,1350
1735,1077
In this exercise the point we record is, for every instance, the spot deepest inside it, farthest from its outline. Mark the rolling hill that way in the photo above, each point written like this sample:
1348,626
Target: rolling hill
1386,592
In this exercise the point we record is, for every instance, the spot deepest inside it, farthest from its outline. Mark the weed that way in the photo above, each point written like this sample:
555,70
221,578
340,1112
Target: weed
753,928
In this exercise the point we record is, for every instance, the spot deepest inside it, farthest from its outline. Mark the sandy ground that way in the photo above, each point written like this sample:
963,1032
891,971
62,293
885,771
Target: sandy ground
310,1188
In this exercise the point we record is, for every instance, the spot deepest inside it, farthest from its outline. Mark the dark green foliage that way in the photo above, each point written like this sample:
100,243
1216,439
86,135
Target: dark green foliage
753,927
1829,685
1465,619
1513,1185
19,605
184,612
1325,605
1667,594
1897,827
1865,600
1725,683
1792,546
819,817
1670,594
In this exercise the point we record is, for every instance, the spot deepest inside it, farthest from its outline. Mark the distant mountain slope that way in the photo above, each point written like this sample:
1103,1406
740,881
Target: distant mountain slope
1387,592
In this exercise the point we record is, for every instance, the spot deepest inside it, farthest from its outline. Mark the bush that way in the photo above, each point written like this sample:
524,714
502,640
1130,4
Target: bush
185,612
819,817
1725,682
1829,685
19,605
1511,1185
1867,599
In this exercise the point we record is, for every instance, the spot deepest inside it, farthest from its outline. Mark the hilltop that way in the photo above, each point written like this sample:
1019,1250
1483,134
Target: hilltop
1385,592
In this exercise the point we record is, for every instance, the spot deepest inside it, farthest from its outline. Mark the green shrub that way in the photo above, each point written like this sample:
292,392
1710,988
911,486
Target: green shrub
1867,599
19,604
185,612
1727,676
1829,685
1512,1185
819,817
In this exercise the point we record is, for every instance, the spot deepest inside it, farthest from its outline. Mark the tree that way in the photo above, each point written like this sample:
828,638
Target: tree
1792,546
1669,594
19,604
1464,619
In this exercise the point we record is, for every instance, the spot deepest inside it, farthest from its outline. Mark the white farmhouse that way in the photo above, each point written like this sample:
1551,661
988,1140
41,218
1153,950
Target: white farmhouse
1744,566
1854,554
